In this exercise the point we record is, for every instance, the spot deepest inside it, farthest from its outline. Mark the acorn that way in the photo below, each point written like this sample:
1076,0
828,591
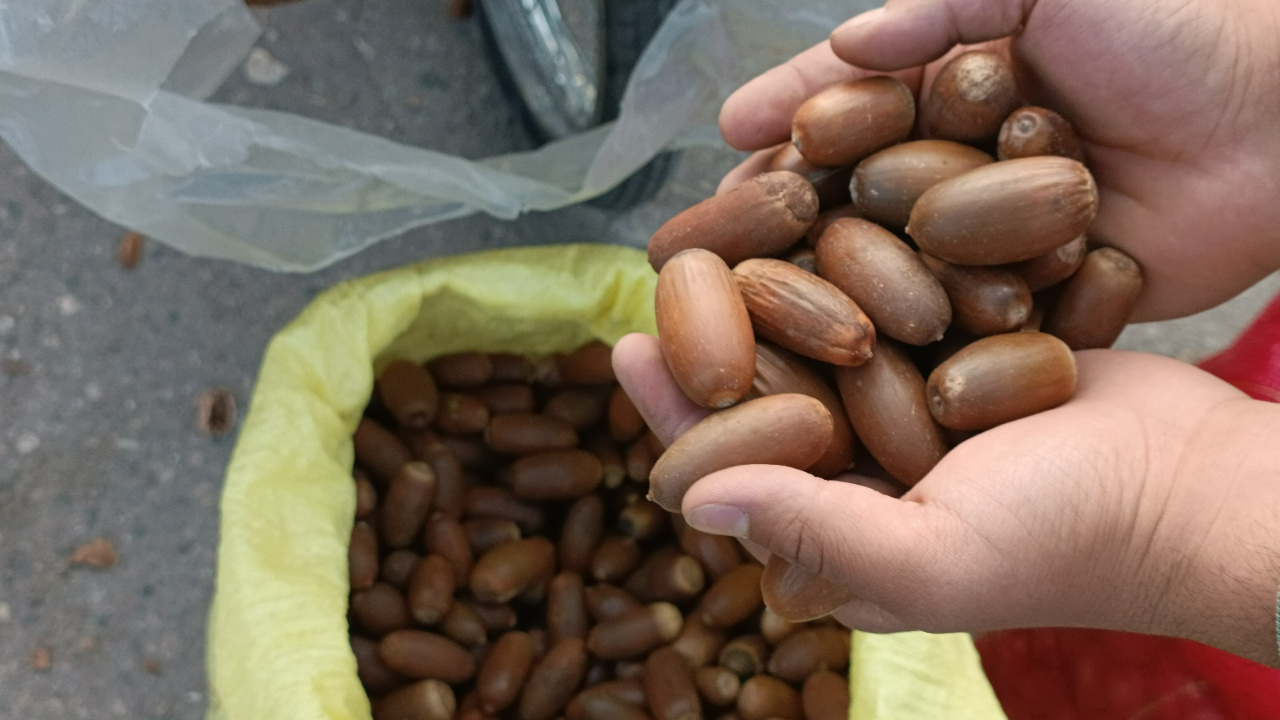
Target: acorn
1032,131
985,300
886,185
830,183
886,278
969,98
1097,301
760,218
1054,266
788,429
1005,212
845,123
779,371
704,329
804,313
1000,379
885,399
797,595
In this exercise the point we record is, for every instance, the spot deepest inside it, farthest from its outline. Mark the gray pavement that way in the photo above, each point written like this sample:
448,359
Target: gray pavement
100,367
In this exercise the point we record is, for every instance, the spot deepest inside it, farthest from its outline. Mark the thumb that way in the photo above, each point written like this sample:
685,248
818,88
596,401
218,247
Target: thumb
898,555
906,33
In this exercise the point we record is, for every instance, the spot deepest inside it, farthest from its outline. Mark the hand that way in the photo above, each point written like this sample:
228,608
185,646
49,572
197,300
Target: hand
1175,101
1149,502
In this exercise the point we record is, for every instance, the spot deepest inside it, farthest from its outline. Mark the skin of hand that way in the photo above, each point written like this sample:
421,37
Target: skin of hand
1176,102
1150,502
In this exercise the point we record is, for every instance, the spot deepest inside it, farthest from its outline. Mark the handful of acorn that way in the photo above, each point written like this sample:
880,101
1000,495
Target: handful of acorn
504,562
941,288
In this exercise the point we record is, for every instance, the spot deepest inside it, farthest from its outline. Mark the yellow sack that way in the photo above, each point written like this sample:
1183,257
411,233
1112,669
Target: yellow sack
278,647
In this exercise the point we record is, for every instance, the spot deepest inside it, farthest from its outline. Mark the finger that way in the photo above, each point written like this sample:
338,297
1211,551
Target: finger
892,553
907,33
868,617
883,485
643,374
758,551
759,113
755,165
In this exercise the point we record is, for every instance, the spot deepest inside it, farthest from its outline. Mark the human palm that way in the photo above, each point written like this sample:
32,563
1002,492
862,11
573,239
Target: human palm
1177,103
1116,510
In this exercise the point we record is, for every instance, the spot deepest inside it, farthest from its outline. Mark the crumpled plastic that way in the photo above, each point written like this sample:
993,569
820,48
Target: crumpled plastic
104,100
278,645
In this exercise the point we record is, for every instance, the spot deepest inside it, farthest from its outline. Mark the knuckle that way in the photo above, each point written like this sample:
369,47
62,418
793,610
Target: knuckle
806,539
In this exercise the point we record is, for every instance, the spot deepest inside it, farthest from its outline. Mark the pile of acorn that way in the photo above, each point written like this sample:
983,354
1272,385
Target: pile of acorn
505,562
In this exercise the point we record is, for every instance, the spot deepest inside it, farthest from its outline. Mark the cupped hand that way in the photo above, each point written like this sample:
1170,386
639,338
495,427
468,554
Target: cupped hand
1146,503
1176,102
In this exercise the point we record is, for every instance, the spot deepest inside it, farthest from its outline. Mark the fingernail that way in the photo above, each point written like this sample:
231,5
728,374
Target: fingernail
718,520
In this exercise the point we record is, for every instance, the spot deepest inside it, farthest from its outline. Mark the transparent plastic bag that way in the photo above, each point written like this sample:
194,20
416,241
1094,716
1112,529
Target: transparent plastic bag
104,100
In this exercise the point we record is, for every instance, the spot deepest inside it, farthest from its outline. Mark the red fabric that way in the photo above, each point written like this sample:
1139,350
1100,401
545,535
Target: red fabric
1071,674
1253,362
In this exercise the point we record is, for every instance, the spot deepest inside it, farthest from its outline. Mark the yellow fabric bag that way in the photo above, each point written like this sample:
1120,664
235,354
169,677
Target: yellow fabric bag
278,647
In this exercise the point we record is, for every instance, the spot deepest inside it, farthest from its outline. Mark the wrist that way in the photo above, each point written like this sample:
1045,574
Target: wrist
1222,553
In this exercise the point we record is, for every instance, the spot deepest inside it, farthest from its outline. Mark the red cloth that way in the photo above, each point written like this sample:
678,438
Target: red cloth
1253,362
1071,674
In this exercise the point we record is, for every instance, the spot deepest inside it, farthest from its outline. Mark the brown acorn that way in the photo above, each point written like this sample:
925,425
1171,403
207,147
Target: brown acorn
886,402
826,219
1032,131
830,183
886,185
409,393
1000,379
635,632
1095,304
502,674
704,329
791,430
424,700
760,218
797,595
524,433
886,278
825,696
984,300
813,649
555,475
845,123
1054,266
969,98
804,313
1005,212
763,697
505,571
733,598
462,370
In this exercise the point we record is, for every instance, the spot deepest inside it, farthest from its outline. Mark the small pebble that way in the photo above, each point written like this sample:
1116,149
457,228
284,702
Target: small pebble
261,68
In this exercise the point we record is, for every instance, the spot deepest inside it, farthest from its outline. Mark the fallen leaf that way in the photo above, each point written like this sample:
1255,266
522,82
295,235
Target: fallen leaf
217,412
460,9
99,553
131,250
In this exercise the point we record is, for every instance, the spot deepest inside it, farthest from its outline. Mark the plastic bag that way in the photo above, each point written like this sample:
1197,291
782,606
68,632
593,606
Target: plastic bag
278,644
1073,674
103,99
